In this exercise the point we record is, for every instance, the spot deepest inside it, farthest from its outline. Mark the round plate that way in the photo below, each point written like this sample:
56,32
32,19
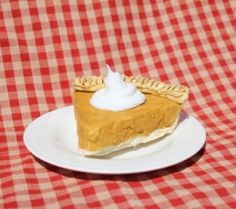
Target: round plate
52,138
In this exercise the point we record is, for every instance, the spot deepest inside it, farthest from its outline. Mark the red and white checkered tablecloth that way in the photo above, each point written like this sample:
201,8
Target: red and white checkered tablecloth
45,44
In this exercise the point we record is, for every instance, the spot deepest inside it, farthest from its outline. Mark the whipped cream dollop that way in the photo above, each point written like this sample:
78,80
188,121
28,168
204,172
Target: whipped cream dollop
117,94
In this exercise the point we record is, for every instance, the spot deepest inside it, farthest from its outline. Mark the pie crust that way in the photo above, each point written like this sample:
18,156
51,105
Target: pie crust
177,93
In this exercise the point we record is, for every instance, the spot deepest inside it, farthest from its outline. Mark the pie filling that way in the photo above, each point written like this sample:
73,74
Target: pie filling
100,129
156,134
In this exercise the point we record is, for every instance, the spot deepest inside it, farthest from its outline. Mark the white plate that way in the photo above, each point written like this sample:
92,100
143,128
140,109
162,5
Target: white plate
52,138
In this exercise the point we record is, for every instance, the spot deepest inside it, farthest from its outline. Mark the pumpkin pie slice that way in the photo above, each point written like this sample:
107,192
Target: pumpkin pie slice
101,132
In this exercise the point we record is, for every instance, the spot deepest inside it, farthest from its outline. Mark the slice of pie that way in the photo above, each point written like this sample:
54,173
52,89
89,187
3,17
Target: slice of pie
101,132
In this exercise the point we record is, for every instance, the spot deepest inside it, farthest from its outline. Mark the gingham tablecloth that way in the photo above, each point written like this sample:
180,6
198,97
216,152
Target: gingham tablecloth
45,44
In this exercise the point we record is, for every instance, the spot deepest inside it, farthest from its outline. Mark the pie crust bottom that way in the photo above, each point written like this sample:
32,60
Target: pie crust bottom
156,134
